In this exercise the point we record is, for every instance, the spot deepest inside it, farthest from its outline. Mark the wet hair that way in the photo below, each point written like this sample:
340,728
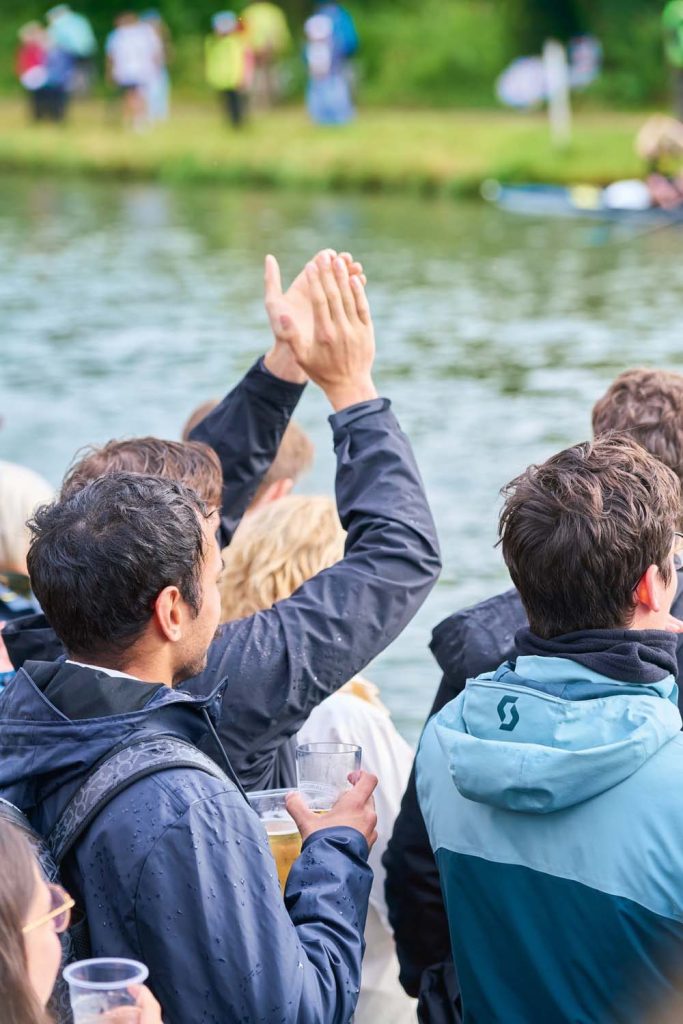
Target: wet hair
21,491
648,405
20,1004
294,456
276,549
191,463
99,558
579,531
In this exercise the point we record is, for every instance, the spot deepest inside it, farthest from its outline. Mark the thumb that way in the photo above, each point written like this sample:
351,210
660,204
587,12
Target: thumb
363,787
272,280
299,810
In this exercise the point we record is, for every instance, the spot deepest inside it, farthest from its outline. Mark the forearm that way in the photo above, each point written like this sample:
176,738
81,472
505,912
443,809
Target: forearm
332,871
245,431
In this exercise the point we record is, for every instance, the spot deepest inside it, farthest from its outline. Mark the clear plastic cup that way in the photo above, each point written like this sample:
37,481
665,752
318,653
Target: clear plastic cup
284,837
99,990
322,772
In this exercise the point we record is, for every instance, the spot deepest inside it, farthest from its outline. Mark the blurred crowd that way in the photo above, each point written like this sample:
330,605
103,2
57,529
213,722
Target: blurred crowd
243,62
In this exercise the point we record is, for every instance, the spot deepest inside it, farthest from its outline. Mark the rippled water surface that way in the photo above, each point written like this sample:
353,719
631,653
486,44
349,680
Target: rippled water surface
121,307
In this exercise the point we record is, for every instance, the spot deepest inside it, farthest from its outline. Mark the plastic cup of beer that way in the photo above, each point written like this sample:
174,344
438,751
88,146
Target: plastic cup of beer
284,837
322,772
99,990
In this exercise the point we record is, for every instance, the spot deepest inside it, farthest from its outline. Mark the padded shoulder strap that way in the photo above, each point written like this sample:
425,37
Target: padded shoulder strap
116,773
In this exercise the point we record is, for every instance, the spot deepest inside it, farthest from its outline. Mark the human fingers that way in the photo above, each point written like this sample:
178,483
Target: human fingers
330,285
362,304
299,810
355,266
321,309
341,272
363,788
272,280
145,1001
674,625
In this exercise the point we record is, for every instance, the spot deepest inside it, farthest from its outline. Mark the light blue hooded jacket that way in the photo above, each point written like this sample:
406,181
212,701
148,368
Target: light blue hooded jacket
553,798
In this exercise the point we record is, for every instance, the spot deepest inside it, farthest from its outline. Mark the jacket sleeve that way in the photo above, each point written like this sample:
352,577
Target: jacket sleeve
245,431
412,888
282,662
226,946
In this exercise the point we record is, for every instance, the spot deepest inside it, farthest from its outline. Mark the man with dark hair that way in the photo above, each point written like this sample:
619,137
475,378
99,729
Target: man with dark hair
649,405
284,661
175,870
127,570
546,786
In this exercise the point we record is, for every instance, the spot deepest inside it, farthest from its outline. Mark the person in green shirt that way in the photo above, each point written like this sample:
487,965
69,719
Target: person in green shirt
269,38
227,64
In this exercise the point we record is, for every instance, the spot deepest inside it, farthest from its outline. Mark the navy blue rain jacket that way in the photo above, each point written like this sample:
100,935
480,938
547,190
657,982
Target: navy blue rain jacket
176,871
281,663
245,431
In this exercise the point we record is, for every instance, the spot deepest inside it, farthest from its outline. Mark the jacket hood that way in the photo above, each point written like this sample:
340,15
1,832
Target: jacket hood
547,733
44,754
31,638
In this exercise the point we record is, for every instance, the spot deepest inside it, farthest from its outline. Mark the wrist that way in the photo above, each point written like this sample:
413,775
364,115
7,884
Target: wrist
341,396
281,363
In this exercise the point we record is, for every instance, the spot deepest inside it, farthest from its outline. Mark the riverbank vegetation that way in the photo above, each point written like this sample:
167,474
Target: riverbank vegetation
428,53
425,152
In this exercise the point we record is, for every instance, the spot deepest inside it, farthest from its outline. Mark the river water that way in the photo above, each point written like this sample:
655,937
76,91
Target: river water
123,306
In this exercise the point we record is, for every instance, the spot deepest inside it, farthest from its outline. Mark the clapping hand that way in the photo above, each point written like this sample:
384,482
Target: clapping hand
339,352
292,311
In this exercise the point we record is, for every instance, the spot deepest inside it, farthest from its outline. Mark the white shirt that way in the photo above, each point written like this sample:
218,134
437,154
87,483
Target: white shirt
100,668
136,54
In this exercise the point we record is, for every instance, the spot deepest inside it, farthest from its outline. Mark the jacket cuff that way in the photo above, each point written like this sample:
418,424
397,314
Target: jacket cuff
343,836
345,417
259,380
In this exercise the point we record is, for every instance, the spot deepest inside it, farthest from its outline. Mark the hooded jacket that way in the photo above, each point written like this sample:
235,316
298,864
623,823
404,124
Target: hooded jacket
469,642
176,870
281,663
549,795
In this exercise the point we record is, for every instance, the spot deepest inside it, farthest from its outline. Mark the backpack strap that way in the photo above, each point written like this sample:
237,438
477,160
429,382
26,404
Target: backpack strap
113,775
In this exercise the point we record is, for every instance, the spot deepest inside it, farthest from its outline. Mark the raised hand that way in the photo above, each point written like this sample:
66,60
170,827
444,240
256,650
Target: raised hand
340,353
291,312
354,809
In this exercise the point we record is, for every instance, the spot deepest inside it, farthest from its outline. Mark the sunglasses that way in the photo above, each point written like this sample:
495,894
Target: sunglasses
60,914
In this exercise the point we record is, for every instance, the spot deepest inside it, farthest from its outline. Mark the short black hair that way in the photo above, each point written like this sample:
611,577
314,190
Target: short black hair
99,558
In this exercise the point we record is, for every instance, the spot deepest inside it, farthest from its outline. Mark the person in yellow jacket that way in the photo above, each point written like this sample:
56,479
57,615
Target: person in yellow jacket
269,38
228,64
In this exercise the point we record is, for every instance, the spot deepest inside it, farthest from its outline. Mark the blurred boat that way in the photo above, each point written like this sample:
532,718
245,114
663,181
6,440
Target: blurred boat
585,202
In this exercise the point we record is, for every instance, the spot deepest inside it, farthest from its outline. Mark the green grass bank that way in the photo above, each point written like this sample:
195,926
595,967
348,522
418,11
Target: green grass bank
423,152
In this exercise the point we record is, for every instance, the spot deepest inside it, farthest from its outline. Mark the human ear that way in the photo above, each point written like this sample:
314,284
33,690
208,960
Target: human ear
649,590
168,613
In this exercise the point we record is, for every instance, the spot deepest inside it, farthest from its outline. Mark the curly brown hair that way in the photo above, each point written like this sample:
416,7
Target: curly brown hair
20,1004
187,462
579,531
648,405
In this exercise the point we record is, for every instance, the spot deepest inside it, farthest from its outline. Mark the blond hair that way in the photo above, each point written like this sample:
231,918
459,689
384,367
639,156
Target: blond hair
276,549
21,492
